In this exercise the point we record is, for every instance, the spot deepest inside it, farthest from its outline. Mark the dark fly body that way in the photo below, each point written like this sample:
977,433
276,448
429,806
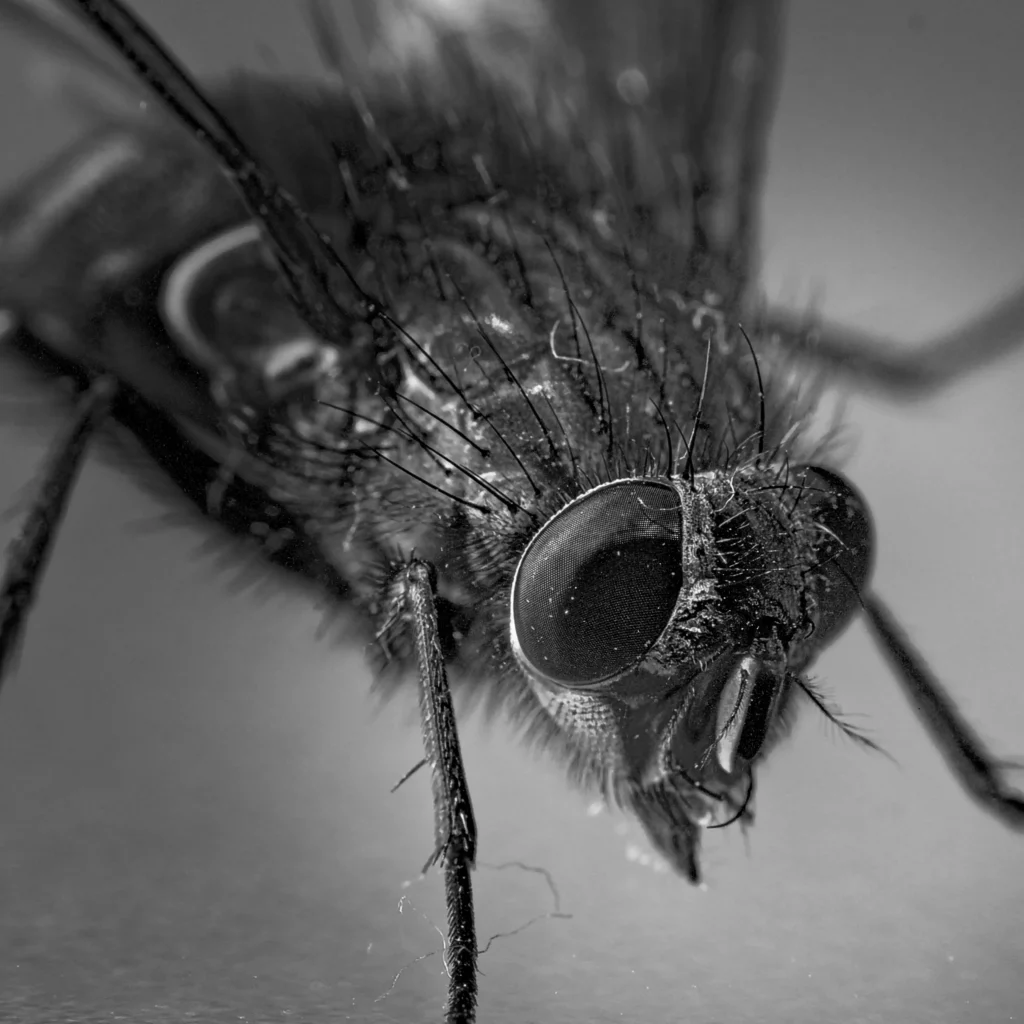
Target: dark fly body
467,335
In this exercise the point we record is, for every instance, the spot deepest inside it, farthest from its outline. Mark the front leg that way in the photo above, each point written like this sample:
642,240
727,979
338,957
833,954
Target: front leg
411,601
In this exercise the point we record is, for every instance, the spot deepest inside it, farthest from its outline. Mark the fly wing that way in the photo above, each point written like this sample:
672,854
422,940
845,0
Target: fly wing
672,98
692,86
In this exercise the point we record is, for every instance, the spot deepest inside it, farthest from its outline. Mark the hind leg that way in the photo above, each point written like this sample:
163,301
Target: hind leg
873,362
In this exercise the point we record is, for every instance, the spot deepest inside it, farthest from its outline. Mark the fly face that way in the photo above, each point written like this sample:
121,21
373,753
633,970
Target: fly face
733,681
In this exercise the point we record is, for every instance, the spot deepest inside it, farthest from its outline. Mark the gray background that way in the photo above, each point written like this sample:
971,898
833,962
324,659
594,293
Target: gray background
193,790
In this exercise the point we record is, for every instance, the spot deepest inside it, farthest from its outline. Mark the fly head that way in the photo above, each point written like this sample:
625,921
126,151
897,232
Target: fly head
663,624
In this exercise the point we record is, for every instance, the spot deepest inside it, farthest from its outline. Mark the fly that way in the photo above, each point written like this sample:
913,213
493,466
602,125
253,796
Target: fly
479,357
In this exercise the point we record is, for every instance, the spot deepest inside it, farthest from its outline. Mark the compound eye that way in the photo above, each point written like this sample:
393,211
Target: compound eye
598,584
846,548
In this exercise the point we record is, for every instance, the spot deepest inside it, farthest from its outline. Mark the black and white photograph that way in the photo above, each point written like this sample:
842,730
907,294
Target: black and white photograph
511,511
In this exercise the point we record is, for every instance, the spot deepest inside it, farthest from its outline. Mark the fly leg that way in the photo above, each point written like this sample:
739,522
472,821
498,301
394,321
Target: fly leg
30,550
875,362
979,772
412,591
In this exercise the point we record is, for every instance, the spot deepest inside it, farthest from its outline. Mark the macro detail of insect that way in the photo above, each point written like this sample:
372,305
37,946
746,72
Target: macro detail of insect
471,341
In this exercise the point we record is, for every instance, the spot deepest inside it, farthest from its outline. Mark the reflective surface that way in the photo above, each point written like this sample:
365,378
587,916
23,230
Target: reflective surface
194,807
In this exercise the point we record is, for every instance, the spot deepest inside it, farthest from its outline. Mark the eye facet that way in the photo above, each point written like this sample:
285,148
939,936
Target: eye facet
597,586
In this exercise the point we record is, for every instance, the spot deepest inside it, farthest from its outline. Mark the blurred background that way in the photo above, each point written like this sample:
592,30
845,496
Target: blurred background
194,812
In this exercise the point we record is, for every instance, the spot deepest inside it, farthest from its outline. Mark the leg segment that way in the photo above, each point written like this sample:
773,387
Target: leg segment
30,550
978,771
902,371
454,824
